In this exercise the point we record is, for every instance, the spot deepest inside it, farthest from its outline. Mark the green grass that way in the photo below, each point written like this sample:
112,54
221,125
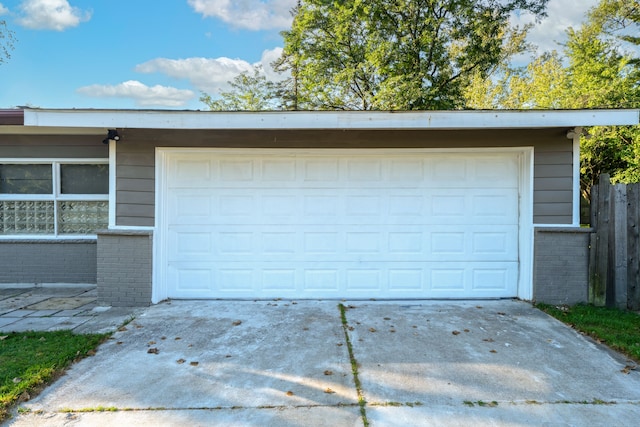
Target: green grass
620,330
31,360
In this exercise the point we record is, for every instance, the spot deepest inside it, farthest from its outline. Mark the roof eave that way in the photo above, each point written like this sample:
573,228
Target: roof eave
356,120
13,117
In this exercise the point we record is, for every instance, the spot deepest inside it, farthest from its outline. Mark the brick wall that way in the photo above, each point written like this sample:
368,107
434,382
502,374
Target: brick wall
47,261
561,265
124,268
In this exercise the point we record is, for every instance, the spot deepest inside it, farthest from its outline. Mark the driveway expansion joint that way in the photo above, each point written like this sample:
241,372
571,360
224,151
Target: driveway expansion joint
362,403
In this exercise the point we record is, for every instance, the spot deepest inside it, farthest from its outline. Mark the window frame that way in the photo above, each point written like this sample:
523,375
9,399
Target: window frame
56,195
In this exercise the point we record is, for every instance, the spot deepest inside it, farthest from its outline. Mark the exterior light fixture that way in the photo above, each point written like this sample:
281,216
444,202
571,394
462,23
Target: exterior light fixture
112,135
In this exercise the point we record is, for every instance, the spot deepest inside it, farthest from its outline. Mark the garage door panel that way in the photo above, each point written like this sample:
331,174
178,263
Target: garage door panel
328,243
402,279
278,170
496,171
190,172
488,279
311,224
449,170
321,169
433,208
441,170
321,280
408,171
279,279
191,280
447,279
191,207
236,280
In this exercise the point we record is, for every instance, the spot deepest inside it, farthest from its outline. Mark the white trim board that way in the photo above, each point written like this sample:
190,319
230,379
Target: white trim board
112,184
576,176
165,119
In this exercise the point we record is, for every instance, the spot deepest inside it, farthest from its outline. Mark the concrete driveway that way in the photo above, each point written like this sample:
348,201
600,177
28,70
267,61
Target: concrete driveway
286,363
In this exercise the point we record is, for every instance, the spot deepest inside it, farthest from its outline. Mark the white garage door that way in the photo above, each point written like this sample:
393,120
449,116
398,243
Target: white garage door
339,224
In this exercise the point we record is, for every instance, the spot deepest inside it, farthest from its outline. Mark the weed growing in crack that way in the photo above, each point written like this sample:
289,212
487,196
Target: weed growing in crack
354,366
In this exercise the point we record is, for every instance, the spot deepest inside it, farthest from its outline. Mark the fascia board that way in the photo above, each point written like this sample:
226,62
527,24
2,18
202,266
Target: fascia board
356,120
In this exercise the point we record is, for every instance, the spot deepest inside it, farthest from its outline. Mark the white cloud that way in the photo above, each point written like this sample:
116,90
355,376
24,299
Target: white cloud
247,14
142,94
206,74
55,15
209,75
562,14
3,10
268,57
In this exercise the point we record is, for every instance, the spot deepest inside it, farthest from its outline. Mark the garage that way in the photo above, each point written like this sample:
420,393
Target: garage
338,223
315,204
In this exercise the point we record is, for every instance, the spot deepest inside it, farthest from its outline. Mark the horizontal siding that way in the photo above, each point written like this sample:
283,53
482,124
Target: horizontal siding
137,172
553,157
551,219
135,210
553,171
134,221
553,209
133,184
553,182
558,196
52,146
136,197
134,159
542,183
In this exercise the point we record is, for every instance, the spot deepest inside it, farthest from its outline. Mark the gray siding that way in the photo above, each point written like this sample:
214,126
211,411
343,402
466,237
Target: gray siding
53,146
48,261
553,184
135,185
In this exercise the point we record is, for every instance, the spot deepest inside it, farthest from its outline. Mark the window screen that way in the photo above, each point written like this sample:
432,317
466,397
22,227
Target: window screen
26,179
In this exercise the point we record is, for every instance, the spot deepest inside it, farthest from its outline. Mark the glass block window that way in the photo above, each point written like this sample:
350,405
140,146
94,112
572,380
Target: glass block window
79,217
54,198
27,217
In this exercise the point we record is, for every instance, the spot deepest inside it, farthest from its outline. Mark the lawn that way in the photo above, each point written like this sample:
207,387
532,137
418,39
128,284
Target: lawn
620,330
31,360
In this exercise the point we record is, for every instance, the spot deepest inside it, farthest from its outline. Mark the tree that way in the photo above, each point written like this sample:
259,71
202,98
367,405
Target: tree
542,84
7,39
619,19
598,75
602,76
248,92
397,55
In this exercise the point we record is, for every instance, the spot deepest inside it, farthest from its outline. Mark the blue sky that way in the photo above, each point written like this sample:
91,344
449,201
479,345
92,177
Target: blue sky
160,53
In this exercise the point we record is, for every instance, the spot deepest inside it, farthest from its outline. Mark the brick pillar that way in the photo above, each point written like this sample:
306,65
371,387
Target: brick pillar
124,268
561,265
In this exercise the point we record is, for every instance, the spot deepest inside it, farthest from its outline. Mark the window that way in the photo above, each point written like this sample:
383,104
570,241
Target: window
54,198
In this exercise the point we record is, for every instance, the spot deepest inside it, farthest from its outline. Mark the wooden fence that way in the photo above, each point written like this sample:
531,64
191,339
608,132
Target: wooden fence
614,269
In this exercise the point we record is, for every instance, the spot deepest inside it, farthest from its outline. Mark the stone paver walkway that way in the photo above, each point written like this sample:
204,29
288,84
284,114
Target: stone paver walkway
44,308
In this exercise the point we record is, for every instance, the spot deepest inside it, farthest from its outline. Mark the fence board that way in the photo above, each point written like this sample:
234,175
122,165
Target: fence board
593,242
614,257
598,281
618,247
633,247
